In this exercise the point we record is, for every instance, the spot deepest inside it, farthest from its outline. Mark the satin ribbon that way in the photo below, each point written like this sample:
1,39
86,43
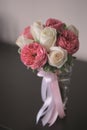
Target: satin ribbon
50,93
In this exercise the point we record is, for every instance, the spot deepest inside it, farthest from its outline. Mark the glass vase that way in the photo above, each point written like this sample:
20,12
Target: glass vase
64,83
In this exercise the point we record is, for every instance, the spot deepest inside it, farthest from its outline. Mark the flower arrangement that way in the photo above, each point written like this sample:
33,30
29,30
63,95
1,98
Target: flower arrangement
49,48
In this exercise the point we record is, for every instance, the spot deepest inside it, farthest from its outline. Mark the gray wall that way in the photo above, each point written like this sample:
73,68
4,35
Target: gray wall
16,14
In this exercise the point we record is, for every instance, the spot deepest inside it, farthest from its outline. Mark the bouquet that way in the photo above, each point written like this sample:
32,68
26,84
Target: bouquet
48,48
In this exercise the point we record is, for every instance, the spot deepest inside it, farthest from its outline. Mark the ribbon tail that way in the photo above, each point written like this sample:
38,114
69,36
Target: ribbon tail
44,89
47,116
57,97
50,93
49,111
54,117
42,111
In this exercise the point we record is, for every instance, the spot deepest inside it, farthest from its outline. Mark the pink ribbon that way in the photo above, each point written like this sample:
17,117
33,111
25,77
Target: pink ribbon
50,93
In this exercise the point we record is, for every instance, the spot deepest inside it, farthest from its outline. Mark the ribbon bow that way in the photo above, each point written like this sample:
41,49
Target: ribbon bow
50,93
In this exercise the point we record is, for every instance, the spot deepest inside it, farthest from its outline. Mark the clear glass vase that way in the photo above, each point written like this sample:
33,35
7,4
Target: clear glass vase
64,83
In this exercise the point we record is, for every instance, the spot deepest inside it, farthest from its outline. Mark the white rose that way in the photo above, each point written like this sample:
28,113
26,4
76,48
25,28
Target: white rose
36,29
22,41
73,29
57,57
48,37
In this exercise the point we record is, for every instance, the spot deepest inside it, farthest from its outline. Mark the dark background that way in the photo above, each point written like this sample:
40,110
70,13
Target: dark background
20,97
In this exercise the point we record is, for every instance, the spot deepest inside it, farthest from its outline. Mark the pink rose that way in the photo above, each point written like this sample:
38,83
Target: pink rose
25,38
27,33
54,23
34,55
69,41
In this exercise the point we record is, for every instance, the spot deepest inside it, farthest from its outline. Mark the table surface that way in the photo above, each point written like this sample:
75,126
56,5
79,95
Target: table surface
20,97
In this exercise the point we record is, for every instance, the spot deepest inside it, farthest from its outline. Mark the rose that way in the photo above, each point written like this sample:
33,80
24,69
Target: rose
48,37
22,41
54,23
57,56
34,55
69,41
36,29
25,38
73,29
27,33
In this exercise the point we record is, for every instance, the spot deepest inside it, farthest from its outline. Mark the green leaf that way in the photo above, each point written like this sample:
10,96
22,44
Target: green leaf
64,26
73,57
49,68
62,68
37,41
70,58
19,50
